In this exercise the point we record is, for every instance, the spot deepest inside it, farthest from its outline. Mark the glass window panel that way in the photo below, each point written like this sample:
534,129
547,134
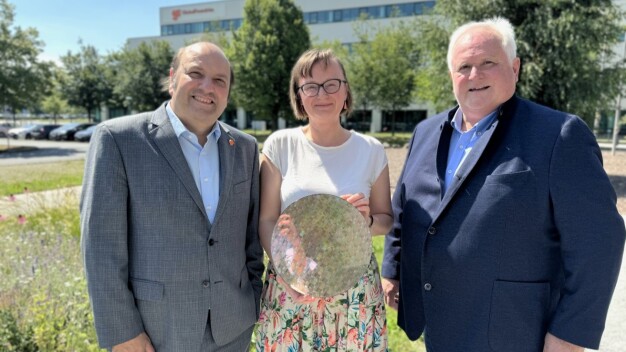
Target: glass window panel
337,16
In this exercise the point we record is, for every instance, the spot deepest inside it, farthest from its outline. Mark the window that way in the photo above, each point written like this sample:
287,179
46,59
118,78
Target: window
324,16
337,16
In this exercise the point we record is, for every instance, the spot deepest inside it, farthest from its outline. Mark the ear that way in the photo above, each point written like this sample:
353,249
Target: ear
516,64
171,85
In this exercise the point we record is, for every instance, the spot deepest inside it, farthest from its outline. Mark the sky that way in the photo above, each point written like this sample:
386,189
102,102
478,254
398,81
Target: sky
104,24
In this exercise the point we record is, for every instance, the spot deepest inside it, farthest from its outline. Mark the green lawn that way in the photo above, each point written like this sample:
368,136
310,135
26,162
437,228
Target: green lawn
40,177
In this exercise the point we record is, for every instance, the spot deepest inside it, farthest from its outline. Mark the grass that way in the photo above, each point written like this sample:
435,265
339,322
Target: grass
40,177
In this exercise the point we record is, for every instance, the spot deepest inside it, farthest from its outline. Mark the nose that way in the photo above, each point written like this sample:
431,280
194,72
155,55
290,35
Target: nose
207,84
474,73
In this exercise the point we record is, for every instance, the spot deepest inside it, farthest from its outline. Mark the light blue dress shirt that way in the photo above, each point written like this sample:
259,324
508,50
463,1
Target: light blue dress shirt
462,142
203,161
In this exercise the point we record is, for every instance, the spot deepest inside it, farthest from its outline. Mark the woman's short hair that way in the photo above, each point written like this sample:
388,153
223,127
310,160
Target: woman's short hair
303,68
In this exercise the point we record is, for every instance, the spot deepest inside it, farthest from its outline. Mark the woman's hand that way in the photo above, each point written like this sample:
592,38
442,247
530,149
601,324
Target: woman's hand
295,295
360,202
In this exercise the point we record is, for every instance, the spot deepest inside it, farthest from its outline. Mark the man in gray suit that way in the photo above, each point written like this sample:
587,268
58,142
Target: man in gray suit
169,213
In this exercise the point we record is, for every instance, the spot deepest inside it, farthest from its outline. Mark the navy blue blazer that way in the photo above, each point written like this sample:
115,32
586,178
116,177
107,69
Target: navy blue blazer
526,240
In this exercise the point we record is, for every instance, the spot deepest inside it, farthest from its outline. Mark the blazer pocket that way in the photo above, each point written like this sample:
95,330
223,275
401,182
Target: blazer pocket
147,290
241,186
519,316
518,177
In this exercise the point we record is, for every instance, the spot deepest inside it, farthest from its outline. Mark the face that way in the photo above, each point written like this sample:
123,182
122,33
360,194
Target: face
482,75
324,106
199,87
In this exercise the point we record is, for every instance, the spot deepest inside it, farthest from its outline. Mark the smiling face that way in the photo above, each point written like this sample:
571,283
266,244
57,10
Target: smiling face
324,106
482,75
199,86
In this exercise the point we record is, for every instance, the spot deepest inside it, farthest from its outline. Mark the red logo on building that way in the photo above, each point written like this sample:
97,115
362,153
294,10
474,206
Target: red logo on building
175,14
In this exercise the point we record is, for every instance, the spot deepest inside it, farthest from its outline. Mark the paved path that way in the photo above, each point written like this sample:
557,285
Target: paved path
42,152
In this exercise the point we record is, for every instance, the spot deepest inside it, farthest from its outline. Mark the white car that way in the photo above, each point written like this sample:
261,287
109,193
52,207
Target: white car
21,132
4,129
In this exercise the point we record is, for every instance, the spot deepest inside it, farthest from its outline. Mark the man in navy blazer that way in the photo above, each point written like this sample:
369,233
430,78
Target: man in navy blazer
169,219
506,234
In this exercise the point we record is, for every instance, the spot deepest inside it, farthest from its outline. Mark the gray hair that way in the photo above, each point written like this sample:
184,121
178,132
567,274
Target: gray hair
498,25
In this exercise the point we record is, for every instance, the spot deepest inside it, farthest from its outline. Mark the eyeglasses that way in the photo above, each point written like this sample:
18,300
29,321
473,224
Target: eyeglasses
331,86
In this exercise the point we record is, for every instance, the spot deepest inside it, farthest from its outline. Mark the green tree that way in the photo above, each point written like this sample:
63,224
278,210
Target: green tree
139,73
23,78
54,103
565,48
263,51
383,67
87,85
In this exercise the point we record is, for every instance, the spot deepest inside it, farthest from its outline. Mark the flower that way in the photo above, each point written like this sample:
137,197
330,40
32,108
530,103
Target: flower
2,217
26,190
21,219
332,339
12,197
352,335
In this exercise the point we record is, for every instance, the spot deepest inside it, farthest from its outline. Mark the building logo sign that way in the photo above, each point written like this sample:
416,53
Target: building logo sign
178,12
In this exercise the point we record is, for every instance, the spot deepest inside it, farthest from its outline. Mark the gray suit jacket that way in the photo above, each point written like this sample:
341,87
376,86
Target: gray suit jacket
153,260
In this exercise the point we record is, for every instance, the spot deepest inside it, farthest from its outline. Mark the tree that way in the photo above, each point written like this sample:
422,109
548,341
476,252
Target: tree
565,48
87,85
263,51
23,78
383,66
139,73
54,103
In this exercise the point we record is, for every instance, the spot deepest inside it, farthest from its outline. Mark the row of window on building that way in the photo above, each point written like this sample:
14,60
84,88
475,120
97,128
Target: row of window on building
314,17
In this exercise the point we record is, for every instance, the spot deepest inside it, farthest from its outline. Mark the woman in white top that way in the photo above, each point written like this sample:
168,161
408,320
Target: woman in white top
323,157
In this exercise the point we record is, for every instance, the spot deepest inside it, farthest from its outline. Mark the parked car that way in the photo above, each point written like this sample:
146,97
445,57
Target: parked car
85,135
23,132
43,131
67,131
4,129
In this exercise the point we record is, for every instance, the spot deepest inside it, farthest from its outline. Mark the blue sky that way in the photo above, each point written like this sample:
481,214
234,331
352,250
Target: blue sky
105,24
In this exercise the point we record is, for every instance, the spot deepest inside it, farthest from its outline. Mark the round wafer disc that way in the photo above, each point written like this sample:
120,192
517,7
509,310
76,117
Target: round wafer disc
321,245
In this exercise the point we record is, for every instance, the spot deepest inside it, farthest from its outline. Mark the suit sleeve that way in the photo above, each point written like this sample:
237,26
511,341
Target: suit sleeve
104,241
393,243
591,235
254,251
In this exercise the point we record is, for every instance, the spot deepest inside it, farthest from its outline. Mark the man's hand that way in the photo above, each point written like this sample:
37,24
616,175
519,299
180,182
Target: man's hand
141,343
555,344
391,288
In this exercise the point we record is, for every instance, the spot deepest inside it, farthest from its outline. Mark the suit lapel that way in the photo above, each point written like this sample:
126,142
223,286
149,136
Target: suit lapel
226,147
165,139
466,167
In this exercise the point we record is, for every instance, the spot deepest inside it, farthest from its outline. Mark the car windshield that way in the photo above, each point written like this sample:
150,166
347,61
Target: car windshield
69,126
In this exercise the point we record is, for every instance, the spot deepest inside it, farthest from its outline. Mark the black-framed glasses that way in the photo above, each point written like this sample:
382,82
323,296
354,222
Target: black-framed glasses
331,86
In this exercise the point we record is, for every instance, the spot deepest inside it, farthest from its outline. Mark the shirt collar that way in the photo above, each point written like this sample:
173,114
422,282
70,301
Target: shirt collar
179,127
481,126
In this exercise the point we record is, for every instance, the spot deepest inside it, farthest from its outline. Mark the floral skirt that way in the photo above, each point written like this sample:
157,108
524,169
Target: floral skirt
351,321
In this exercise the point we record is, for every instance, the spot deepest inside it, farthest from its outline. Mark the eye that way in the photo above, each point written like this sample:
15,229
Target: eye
194,74
464,68
220,82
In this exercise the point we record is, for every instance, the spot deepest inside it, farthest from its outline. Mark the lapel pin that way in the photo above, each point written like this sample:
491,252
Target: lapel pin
231,142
